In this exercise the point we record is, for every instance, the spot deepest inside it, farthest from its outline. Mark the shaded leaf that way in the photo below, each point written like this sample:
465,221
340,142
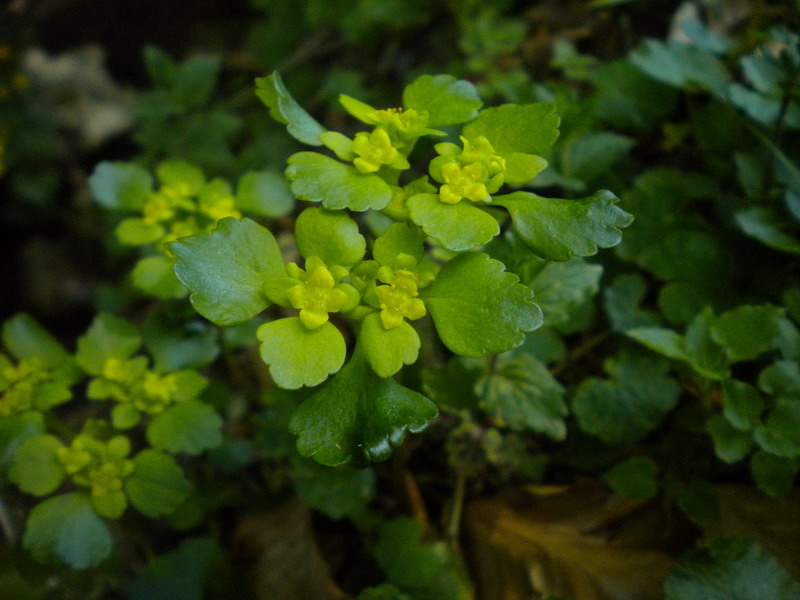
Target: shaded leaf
285,109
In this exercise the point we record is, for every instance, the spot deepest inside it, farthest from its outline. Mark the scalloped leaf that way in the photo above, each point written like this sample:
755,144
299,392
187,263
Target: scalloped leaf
318,178
447,100
330,235
479,308
67,528
299,356
357,416
285,109
457,227
558,229
35,468
225,270
191,427
108,336
157,485
120,185
527,128
387,350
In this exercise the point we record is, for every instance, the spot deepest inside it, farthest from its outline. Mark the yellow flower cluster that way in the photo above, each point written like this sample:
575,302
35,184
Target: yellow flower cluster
320,291
95,464
19,384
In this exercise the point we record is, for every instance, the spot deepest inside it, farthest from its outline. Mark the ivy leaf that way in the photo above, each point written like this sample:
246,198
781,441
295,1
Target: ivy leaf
447,100
730,567
357,416
747,331
155,275
318,178
632,403
67,528
157,485
387,350
35,467
561,287
299,356
528,128
634,478
226,269
330,235
107,337
285,109
521,393
264,193
457,227
119,185
191,427
479,308
24,337
559,229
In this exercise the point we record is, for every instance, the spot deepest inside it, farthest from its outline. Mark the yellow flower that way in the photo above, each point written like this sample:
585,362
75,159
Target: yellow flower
463,182
319,294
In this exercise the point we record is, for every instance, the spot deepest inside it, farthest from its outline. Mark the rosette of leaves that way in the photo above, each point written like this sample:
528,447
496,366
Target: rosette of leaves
35,376
69,527
168,404
181,202
500,145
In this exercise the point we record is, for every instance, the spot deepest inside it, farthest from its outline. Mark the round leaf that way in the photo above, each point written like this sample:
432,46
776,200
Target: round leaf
457,227
157,486
387,350
189,427
329,235
35,467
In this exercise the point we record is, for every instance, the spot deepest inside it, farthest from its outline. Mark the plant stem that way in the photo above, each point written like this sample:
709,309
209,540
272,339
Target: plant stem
456,508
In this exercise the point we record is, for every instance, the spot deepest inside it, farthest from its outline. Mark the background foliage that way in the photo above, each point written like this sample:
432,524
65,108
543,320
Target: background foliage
644,441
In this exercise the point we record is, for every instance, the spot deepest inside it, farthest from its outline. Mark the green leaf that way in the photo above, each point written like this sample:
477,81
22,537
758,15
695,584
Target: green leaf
634,478
663,341
594,154
156,275
189,427
25,338
384,591
399,238
226,269
157,486
181,175
15,430
522,394
457,227
35,467
479,308
742,404
698,499
180,574
765,225
285,109
178,339
561,287
66,528
330,235
529,128
706,356
730,568
299,356
137,232
447,100
632,403
680,65
336,492
622,301
559,229
357,416
318,178
264,193
122,186
110,505
387,350
774,475
780,433
747,331
123,416
730,444
453,385
107,337
428,571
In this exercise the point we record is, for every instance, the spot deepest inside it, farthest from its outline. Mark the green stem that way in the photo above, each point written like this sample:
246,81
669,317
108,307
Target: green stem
456,508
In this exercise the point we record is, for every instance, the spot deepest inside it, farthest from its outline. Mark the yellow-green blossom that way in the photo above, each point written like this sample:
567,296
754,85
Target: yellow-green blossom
463,182
375,150
96,464
399,300
20,383
320,292
404,121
